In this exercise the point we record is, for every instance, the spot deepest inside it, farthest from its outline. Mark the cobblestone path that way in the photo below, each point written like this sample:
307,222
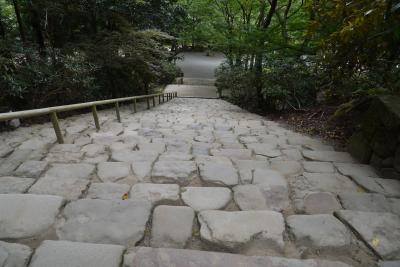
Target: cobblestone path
193,182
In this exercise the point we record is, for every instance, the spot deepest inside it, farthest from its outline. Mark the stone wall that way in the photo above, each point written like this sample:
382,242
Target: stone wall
378,140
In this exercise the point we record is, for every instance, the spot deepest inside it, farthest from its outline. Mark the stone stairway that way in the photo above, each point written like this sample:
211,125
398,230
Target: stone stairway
192,182
194,88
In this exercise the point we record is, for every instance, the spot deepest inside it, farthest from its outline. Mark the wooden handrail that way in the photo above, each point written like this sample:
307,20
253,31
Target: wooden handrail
53,110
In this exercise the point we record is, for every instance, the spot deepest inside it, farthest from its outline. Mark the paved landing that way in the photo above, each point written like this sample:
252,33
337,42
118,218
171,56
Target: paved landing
192,182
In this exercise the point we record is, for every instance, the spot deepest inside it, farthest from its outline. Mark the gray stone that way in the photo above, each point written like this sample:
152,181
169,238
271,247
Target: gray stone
104,138
269,177
206,198
63,148
232,153
5,150
320,203
17,157
172,226
332,156
142,170
161,257
69,188
125,155
389,264
238,228
387,187
365,202
120,222
317,166
31,169
205,159
35,144
156,193
9,185
78,170
115,172
324,182
153,147
24,216
181,172
287,167
175,157
395,205
16,255
268,150
261,197
74,254
350,169
218,174
247,167
380,230
107,191
322,231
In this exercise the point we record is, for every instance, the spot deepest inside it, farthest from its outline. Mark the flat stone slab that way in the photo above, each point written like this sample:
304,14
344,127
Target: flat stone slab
75,254
24,216
380,230
75,170
107,191
70,188
238,228
324,182
261,197
321,203
287,167
156,193
267,150
218,174
105,221
115,172
389,264
161,257
181,172
14,255
322,231
142,170
365,202
9,185
125,155
387,187
247,167
332,156
206,198
172,226
269,177
318,167
350,169
232,153
31,169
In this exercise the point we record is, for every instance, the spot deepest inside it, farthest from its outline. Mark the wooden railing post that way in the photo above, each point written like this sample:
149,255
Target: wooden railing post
154,101
159,99
163,97
117,111
95,117
148,102
56,126
134,106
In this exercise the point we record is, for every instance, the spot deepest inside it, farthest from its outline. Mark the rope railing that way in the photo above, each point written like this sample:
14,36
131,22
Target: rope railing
52,111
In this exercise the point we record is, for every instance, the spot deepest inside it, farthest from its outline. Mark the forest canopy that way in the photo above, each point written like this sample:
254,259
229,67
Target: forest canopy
281,54
287,53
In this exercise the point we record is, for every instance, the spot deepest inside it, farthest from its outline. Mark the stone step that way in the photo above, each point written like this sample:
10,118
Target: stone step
198,91
152,257
195,81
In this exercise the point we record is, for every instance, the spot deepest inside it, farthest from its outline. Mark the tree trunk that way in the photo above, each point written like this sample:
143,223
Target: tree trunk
19,21
35,20
2,28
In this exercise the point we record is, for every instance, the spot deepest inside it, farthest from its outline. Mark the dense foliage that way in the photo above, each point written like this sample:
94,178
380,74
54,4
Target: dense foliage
287,54
59,52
